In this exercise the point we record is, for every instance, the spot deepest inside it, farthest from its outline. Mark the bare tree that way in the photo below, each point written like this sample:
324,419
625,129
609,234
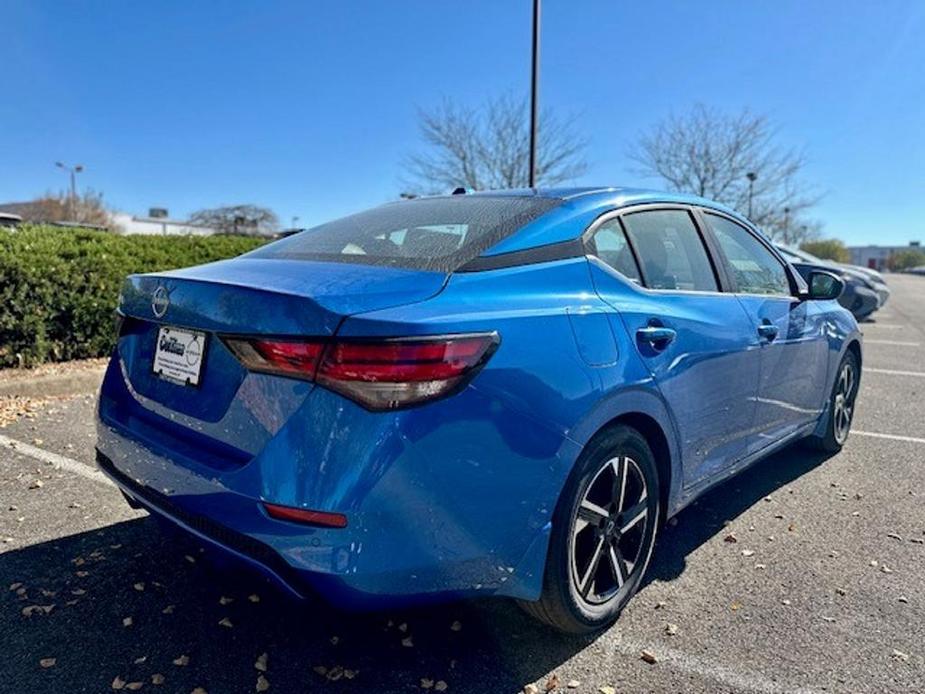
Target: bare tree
85,208
735,160
488,148
244,220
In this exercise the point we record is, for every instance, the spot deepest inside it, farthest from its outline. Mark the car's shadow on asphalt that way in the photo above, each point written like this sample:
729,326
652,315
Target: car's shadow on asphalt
129,600
711,513
132,570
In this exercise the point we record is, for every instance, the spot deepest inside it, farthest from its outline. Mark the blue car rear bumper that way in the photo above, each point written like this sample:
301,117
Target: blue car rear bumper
426,521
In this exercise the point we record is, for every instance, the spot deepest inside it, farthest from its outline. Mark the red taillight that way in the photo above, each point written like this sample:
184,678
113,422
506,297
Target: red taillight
287,357
379,374
302,515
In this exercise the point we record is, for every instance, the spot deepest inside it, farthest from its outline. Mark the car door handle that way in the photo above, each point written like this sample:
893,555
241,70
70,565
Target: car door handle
768,331
656,335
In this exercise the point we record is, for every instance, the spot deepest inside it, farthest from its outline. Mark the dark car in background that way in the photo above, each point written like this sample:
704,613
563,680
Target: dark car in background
862,296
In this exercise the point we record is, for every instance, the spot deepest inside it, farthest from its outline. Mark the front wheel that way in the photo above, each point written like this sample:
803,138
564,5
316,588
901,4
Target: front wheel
841,406
603,533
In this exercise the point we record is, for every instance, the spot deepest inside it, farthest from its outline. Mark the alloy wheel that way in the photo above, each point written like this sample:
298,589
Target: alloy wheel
844,403
608,530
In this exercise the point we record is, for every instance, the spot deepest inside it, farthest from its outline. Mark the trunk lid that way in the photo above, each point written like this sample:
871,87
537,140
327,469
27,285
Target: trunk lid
245,296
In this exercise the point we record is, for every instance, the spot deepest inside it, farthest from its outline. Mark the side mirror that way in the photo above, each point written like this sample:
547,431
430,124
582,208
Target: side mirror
824,285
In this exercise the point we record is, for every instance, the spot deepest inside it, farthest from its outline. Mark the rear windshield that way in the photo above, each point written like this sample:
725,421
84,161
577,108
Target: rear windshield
430,233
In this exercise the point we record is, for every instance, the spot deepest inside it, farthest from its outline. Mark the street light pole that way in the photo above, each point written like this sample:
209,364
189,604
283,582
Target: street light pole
751,176
72,198
534,88
787,225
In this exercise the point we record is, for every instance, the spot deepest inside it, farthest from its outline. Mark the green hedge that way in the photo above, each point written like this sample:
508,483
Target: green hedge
58,287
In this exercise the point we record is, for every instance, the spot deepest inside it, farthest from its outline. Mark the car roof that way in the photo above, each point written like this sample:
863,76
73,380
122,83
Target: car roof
579,208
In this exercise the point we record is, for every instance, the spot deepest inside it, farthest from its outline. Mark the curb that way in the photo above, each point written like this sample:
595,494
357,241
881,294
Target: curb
78,383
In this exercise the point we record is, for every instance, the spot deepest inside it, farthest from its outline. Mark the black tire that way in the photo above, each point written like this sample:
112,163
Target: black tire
838,424
562,604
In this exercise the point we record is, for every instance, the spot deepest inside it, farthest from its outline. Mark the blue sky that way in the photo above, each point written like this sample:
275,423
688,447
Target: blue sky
309,108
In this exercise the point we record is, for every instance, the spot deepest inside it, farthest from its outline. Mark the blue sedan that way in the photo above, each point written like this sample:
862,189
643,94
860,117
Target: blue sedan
499,393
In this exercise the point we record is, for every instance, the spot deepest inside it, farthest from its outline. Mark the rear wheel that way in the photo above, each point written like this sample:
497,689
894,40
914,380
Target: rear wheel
603,534
841,406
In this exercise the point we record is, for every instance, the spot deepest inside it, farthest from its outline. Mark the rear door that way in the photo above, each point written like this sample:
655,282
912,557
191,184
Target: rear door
696,340
794,349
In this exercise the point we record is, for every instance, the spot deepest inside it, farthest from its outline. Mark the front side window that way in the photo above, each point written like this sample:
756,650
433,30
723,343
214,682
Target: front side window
670,250
611,246
429,233
754,267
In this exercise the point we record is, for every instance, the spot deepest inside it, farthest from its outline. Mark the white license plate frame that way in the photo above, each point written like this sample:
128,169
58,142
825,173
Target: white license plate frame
179,354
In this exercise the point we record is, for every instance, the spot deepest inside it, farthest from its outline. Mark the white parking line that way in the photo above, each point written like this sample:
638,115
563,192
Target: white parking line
893,372
736,678
887,326
891,437
893,342
60,462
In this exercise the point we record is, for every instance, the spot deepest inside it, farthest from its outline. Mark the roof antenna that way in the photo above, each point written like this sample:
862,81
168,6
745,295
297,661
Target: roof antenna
459,191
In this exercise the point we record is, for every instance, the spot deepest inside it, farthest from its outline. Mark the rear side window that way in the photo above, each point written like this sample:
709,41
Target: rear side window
755,269
670,250
429,234
611,246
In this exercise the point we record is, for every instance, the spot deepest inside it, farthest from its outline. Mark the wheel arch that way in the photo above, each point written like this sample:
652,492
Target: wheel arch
854,345
655,436
644,409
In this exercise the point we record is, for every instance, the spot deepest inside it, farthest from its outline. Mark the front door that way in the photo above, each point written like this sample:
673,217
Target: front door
794,350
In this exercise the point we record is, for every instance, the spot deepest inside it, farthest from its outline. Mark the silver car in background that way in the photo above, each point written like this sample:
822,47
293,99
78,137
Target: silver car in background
864,292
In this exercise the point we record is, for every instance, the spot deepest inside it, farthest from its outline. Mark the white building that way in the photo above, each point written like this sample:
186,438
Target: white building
157,223
876,257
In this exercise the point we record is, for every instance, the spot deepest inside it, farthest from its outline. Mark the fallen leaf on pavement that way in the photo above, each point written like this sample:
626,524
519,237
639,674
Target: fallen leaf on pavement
224,601
261,663
606,689
671,629
426,683
456,626
118,683
48,662
157,678
531,689
139,586
225,622
253,597
263,684
181,661
573,684
899,655
730,538
134,686
127,622
168,610
407,642
552,682
648,656
440,686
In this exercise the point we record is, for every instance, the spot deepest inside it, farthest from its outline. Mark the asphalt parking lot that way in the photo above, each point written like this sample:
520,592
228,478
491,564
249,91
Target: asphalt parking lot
823,589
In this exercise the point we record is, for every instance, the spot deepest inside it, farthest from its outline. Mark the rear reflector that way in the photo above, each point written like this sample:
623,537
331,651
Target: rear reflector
378,374
301,515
